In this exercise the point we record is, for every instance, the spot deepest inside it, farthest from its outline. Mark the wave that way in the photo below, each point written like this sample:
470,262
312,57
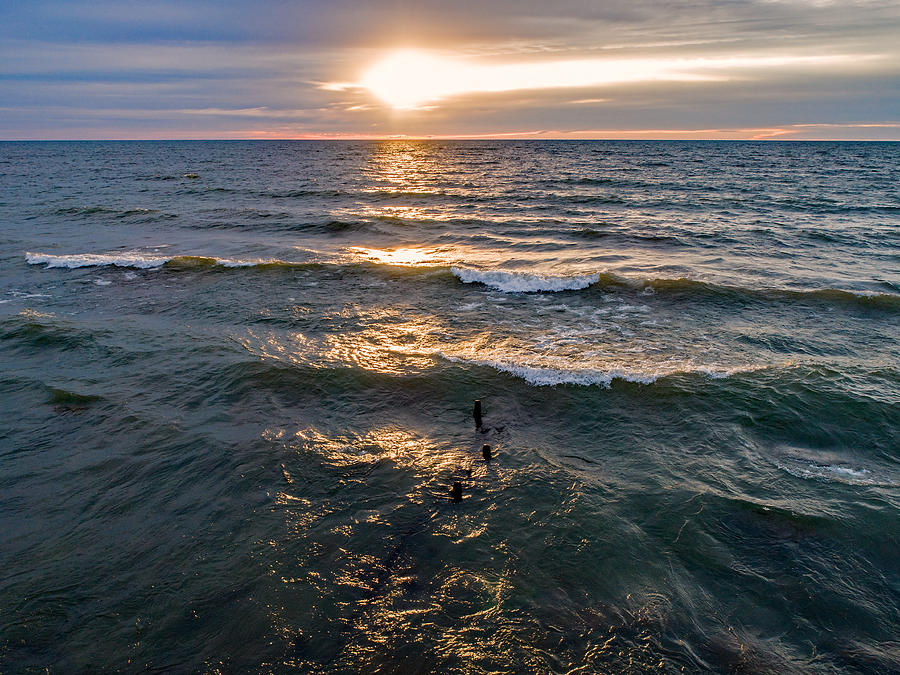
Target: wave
544,376
591,233
146,261
523,282
365,195
529,282
242,214
833,473
295,376
66,399
695,288
39,330
139,261
501,280
118,213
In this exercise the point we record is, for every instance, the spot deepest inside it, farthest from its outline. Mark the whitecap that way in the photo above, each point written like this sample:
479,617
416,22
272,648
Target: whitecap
521,282
224,262
541,375
832,473
721,373
134,259
138,260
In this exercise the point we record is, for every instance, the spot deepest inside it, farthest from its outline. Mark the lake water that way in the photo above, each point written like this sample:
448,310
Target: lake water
237,381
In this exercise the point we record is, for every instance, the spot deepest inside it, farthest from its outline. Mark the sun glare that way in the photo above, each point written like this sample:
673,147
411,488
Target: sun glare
403,257
410,79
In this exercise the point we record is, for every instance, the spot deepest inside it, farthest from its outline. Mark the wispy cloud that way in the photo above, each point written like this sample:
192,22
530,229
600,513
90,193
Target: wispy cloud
261,111
221,68
407,79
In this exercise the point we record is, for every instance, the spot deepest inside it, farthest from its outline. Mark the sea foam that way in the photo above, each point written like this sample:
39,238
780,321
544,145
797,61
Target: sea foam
135,260
835,473
549,376
522,282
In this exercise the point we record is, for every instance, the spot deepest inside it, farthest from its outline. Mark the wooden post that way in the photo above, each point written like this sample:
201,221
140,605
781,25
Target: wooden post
486,452
476,413
456,492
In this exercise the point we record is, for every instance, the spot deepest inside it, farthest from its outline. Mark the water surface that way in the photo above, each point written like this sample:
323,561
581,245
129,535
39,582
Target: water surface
236,383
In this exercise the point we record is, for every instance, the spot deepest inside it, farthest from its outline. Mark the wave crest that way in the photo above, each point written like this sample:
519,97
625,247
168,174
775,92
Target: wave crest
522,282
834,473
549,376
137,260
142,261
502,280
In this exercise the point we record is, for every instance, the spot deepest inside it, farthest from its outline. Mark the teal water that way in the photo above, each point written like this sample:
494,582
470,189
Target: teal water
236,385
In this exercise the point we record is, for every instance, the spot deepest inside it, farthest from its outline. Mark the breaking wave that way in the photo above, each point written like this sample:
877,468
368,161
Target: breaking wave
500,280
519,282
143,261
544,376
833,473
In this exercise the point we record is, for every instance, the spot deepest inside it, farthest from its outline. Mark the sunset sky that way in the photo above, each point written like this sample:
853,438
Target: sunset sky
766,69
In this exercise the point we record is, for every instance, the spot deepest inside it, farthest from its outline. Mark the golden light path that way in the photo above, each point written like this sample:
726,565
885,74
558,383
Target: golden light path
409,78
406,257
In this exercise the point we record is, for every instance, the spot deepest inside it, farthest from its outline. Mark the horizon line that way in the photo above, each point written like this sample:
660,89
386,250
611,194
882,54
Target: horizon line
474,137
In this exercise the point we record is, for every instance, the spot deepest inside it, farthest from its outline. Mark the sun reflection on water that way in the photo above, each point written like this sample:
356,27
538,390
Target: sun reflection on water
407,257
386,340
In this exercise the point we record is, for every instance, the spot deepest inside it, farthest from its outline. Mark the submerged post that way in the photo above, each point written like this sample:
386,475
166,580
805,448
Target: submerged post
486,452
476,413
456,492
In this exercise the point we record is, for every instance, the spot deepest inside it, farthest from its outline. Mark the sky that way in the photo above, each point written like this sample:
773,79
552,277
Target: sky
222,69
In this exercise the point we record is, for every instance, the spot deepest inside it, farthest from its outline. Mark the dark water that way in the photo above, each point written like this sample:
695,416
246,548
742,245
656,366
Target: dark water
236,383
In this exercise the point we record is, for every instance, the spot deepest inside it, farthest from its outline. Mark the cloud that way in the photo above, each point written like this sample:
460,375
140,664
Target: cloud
408,79
181,68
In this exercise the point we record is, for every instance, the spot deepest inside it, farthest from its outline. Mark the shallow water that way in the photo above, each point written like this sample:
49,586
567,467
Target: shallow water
236,383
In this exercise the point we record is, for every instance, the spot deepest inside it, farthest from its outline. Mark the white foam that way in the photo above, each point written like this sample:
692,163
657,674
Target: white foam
138,260
831,473
722,373
102,282
18,295
846,471
868,294
224,262
546,375
521,282
133,259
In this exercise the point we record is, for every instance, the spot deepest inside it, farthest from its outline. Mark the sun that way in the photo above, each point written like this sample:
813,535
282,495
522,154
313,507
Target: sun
408,78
